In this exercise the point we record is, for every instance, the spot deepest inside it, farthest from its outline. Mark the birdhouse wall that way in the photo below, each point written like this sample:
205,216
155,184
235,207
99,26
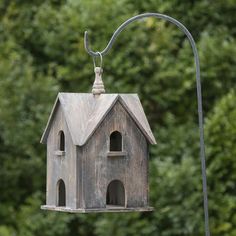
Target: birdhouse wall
61,166
99,169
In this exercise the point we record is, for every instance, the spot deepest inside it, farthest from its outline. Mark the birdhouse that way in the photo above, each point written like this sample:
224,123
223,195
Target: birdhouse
97,152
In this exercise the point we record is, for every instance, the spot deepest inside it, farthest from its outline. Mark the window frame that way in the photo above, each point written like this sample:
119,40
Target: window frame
118,153
61,151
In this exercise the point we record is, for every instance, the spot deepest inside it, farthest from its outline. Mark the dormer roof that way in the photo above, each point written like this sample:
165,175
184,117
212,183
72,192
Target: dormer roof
84,112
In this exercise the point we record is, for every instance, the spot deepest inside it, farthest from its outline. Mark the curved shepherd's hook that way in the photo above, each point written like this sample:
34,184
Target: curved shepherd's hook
198,82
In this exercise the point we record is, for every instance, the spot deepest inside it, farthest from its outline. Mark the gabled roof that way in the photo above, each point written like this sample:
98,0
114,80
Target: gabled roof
84,112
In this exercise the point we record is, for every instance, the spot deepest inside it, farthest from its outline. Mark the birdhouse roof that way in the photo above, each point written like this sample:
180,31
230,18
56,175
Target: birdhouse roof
84,112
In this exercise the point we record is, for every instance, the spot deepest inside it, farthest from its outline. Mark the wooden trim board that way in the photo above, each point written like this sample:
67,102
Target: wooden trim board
91,210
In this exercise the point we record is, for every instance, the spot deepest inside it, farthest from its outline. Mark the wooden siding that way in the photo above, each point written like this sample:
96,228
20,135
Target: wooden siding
61,166
99,169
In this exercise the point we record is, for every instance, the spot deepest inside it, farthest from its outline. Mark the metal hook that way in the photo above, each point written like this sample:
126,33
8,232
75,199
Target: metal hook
198,82
126,23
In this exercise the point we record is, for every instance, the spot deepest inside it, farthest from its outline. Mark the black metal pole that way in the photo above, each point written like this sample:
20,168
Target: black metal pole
198,83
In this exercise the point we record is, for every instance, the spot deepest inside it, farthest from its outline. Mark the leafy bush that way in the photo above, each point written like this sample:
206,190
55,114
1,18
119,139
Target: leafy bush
42,53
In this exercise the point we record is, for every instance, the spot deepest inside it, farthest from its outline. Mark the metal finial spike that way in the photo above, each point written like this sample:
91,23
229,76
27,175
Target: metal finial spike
98,86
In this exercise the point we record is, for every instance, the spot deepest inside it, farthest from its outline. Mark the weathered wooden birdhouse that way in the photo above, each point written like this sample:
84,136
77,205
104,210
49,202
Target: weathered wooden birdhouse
97,152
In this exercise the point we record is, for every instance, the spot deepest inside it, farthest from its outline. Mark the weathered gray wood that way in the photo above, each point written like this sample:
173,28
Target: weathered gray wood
97,210
87,165
99,170
98,86
61,166
117,154
84,112
134,107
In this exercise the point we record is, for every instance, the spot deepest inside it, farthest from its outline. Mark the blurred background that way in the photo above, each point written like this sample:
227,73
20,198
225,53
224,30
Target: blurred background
42,53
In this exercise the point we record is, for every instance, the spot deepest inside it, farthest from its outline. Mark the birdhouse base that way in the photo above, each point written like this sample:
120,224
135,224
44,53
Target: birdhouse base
109,208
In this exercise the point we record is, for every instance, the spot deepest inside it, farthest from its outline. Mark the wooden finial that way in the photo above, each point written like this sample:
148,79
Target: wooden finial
98,86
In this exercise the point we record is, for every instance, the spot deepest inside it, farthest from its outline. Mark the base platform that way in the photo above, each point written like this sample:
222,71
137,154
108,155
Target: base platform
109,208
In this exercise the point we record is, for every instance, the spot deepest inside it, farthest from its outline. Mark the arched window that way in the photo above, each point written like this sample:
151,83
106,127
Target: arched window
115,193
115,141
61,141
61,189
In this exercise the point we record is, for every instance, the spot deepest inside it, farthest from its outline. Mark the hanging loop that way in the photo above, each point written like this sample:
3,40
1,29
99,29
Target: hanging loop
94,59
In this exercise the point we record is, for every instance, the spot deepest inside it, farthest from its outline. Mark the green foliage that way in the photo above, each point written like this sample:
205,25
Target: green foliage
25,94
42,53
221,133
40,222
5,231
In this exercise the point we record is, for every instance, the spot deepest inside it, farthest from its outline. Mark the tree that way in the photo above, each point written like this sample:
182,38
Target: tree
42,53
221,139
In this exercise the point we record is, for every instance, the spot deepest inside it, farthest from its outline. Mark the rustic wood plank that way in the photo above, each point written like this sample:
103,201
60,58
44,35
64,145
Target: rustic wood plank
97,210
116,154
84,112
131,169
